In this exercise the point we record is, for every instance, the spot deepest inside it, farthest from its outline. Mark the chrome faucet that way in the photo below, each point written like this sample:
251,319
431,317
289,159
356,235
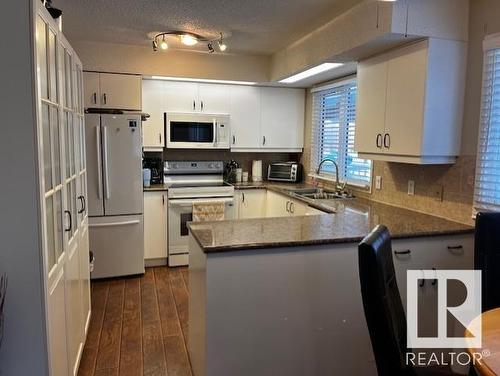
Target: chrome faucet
338,186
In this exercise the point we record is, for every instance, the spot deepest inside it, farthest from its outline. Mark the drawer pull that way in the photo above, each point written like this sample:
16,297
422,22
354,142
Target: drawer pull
406,252
455,247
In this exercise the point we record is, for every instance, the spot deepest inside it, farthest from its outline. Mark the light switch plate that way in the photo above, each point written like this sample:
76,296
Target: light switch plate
378,182
411,187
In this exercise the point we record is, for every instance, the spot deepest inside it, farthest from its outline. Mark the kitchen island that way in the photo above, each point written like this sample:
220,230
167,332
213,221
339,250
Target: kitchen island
281,296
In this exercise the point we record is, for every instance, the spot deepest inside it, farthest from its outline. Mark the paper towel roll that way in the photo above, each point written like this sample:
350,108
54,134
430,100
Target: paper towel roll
257,170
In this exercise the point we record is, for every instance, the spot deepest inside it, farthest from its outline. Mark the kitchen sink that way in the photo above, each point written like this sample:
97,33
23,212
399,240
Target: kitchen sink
320,194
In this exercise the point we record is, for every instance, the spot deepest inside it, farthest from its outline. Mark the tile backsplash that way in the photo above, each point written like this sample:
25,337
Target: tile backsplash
244,159
442,190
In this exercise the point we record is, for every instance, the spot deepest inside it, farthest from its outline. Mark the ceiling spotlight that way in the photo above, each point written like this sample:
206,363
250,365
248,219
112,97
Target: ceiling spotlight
188,39
222,45
210,47
163,44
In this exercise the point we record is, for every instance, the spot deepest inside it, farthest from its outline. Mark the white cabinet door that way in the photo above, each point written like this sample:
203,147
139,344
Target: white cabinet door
252,203
371,102
155,226
277,205
121,91
245,117
181,96
282,118
153,103
406,82
214,99
91,94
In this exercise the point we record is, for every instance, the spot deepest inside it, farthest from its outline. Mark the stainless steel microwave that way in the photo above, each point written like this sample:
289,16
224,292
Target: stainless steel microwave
197,131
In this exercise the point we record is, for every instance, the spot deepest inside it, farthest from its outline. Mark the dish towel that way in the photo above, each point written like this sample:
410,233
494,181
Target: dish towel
208,211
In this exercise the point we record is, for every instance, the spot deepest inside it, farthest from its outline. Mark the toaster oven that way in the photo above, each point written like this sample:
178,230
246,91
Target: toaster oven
285,171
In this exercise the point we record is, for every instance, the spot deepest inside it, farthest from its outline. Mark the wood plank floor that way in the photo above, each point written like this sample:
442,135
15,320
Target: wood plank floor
139,326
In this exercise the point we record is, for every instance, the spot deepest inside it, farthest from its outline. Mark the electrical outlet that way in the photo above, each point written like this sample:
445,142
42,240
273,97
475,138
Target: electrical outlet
378,182
438,192
411,187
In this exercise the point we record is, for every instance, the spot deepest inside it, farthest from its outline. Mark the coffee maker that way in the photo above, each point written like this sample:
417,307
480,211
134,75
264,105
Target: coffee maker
154,161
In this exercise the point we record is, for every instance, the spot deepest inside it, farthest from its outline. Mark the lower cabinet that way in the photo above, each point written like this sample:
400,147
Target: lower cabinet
451,252
251,203
155,225
282,206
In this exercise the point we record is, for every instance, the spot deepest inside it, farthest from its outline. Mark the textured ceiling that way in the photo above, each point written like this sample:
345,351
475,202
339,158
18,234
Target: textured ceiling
252,26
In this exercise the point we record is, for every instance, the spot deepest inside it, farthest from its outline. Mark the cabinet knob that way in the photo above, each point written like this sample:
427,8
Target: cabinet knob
234,139
378,141
263,140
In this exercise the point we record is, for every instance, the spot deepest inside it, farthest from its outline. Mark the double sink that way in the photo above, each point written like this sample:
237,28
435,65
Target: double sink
320,194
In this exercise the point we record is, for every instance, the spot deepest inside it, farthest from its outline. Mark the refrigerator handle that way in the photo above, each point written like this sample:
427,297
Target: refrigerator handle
99,162
105,164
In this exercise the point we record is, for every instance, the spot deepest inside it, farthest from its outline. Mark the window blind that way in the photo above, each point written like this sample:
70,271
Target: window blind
333,132
487,187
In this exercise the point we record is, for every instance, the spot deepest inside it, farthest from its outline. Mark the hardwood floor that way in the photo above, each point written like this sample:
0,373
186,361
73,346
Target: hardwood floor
139,326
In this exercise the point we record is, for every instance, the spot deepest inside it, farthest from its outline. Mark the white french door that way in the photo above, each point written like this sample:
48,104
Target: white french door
61,151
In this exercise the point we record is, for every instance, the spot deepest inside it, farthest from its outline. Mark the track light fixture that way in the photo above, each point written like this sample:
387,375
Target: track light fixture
188,39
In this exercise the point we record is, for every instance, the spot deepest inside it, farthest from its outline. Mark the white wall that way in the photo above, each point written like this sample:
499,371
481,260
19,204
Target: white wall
122,58
23,351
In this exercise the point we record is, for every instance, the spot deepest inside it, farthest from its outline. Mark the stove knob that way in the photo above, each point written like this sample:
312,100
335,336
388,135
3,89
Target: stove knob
174,165
211,166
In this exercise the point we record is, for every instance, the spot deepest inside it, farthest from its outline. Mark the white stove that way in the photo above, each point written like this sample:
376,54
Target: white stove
190,182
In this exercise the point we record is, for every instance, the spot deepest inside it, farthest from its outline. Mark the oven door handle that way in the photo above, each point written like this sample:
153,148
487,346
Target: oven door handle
190,202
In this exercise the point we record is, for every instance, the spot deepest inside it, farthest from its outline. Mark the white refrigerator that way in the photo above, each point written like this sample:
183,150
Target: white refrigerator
114,164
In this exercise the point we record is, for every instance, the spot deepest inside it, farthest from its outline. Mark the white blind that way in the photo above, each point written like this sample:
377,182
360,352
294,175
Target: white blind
487,188
333,132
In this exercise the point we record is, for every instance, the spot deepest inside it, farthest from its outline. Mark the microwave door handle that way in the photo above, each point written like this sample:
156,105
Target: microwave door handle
216,133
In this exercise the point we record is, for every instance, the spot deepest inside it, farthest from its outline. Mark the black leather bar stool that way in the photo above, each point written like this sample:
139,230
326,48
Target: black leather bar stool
487,257
383,307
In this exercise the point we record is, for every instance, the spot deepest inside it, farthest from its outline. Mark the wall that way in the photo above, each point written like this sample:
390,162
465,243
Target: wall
457,180
122,58
244,159
24,350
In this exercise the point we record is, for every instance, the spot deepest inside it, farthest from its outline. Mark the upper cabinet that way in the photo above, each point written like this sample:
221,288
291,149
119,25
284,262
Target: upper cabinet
112,91
245,109
282,118
262,119
195,97
410,103
153,103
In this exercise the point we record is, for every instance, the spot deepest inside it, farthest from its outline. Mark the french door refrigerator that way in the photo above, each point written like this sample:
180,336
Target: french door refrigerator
114,166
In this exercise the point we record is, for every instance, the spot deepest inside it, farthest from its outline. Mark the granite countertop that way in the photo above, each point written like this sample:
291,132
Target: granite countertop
352,221
155,187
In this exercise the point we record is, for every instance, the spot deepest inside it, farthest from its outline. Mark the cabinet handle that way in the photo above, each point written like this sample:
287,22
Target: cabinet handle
70,222
194,105
422,281
456,249
387,141
104,98
159,137
434,281
95,98
405,252
287,208
234,139
163,200
82,201
379,141
263,140
242,197
202,105
292,208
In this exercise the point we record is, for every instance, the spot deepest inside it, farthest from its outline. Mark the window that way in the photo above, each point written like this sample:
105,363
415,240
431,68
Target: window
333,131
487,189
